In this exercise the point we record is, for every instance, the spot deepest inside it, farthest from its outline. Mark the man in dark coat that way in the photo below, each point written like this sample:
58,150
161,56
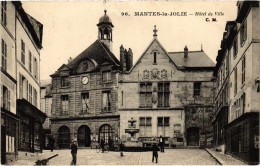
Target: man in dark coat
110,143
51,142
155,152
102,144
74,150
161,143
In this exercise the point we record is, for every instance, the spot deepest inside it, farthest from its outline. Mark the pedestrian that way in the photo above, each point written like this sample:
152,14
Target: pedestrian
155,152
161,143
121,147
102,144
110,143
74,149
51,142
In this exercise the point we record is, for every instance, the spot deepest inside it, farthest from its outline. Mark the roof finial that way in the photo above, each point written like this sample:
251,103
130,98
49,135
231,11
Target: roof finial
105,12
201,47
155,30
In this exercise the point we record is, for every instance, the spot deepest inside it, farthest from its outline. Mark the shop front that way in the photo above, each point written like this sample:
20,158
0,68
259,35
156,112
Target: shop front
30,127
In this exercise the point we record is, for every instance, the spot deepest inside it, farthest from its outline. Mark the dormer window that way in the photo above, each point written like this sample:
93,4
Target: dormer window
65,81
106,76
154,58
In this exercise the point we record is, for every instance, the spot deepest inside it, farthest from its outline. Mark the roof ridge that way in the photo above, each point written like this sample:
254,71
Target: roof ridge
183,51
107,52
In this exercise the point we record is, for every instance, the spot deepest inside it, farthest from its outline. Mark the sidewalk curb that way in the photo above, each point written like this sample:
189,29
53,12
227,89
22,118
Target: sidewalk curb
220,161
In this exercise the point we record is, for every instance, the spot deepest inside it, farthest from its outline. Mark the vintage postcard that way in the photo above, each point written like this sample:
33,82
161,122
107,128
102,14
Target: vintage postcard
130,82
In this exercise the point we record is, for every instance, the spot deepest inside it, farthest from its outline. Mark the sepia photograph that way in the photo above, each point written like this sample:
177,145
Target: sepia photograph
130,82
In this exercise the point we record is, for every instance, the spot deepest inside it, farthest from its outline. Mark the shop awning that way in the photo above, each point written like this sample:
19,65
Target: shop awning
27,108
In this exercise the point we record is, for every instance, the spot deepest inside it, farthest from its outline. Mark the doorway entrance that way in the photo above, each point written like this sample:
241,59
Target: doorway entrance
3,145
64,137
84,136
193,136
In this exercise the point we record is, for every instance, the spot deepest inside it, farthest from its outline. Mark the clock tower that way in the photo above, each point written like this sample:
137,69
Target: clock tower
105,27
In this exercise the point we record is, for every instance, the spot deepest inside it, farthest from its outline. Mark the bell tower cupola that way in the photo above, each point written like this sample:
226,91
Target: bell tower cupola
105,28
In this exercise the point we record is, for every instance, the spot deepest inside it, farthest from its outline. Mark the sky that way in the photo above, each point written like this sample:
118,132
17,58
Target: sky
69,27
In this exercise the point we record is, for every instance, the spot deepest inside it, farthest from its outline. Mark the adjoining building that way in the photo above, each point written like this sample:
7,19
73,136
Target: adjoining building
85,94
168,94
21,119
46,105
236,119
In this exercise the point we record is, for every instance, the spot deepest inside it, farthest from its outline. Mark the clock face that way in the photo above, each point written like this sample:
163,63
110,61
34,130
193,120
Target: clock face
84,80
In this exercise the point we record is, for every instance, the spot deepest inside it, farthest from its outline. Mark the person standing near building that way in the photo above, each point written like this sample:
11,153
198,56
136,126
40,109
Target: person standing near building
110,143
155,152
121,147
51,142
74,150
161,143
102,144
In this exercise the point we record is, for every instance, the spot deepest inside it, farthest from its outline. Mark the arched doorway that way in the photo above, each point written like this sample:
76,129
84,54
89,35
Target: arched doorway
105,131
193,136
64,137
84,136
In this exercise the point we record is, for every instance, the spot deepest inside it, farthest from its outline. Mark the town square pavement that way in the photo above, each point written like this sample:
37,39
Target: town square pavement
92,157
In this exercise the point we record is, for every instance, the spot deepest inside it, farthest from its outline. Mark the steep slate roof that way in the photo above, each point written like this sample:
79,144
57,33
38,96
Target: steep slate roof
44,83
195,59
98,52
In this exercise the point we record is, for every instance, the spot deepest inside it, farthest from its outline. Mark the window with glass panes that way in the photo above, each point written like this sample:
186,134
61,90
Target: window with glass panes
22,52
145,95
235,81
163,126
163,94
30,61
145,126
235,48
106,102
243,69
35,66
105,132
85,102
65,81
64,104
4,55
3,12
6,98
197,86
106,76
243,33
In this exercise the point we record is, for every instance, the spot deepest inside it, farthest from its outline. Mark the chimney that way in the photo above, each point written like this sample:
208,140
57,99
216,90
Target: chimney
185,52
122,59
130,59
125,60
70,59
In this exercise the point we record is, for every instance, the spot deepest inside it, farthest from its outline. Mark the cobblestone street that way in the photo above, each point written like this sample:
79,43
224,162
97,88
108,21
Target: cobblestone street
91,157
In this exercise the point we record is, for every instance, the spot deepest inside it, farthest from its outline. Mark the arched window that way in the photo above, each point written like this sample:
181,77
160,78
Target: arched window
64,137
105,132
106,34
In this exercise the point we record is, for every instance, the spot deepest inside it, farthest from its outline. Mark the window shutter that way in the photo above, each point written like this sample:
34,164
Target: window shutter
2,94
245,30
8,102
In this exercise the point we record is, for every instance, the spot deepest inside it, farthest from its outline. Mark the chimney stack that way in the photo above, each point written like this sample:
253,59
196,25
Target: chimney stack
122,57
185,52
70,59
130,59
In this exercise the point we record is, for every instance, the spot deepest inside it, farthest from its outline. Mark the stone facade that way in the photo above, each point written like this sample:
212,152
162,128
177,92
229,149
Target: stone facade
161,89
85,94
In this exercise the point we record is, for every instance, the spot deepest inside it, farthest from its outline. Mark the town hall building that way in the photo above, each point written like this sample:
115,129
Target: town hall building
84,94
